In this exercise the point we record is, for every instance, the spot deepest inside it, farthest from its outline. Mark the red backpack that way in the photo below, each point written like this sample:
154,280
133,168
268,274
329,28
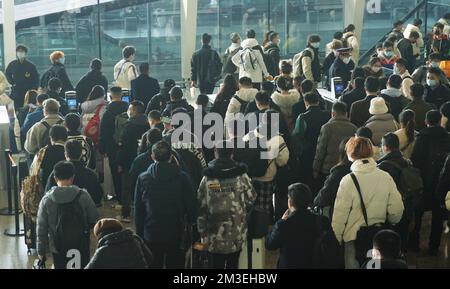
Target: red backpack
92,128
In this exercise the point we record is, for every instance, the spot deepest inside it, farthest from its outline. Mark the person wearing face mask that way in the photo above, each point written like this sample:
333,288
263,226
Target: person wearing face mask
397,30
435,92
434,61
57,70
342,66
405,46
272,52
22,75
54,90
307,63
415,26
439,42
387,55
330,58
351,41
374,68
125,71
407,80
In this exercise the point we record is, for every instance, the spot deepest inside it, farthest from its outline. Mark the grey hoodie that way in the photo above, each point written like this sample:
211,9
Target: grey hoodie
47,214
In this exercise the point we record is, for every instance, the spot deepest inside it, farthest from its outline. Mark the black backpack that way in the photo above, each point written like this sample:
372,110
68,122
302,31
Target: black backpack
49,74
46,135
228,65
214,68
243,104
71,230
327,252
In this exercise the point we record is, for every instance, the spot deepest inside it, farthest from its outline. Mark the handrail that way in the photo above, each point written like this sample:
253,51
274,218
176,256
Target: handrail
371,50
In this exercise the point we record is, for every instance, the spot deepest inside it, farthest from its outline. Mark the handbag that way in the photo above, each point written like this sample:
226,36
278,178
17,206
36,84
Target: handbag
364,237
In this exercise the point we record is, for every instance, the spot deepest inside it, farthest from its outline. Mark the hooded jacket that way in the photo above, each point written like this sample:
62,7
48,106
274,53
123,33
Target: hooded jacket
256,74
331,135
380,125
245,94
286,102
47,214
382,200
164,200
35,136
121,250
159,101
224,195
397,101
353,43
133,130
172,105
87,82
420,43
107,126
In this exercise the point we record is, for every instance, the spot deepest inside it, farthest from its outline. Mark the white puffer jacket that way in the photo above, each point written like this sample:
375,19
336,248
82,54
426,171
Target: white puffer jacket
381,198
420,43
260,68
286,102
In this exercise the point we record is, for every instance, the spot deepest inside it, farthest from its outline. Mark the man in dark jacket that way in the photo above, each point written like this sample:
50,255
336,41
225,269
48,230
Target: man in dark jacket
405,46
387,252
176,101
118,248
303,87
57,70
144,87
91,79
201,63
133,130
272,52
85,178
394,96
159,101
359,111
107,144
393,162
305,136
429,154
342,66
435,91
54,90
144,160
54,152
356,94
22,75
165,206
296,233
419,106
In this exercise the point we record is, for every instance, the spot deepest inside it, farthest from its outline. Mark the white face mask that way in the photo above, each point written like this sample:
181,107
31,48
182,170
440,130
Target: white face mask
21,55
316,45
376,69
396,70
346,60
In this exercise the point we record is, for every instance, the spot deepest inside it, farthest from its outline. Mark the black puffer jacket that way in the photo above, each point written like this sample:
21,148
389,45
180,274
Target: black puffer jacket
172,105
87,82
159,101
121,250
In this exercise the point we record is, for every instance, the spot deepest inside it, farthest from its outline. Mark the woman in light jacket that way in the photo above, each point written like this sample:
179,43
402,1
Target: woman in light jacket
407,133
352,42
381,198
285,99
381,122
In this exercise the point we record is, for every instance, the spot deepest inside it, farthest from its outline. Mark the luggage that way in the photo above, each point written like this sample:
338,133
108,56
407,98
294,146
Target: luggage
30,234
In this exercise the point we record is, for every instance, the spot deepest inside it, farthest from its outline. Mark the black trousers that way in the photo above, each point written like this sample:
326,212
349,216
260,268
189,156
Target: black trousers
113,165
206,87
224,261
167,255
402,228
126,194
437,222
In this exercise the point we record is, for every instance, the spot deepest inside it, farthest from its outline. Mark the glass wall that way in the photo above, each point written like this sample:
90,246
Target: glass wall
73,27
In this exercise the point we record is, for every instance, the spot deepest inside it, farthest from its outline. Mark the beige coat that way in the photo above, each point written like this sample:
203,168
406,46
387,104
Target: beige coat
420,43
353,42
405,147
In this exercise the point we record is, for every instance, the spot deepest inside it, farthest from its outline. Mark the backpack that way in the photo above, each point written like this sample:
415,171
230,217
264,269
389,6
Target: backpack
32,188
243,104
214,68
122,77
269,60
345,40
49,74
228,65
71,231
92,128
327,252
85,148
298,66
248,60
410,183
46,135
119,125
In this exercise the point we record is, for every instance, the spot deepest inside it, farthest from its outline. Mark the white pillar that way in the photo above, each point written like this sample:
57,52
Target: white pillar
9,31
188,10
354,14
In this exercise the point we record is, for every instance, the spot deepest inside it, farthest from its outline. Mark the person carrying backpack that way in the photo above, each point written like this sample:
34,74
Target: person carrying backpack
406,177
125,71
57,70
38,135
272,52
251,63
206,67
228,66
65,217
307,63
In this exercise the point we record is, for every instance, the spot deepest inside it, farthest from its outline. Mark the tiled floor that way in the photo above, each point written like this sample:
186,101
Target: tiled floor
13,252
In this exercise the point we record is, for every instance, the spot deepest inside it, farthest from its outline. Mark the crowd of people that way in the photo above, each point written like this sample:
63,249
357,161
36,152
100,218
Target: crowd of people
363,172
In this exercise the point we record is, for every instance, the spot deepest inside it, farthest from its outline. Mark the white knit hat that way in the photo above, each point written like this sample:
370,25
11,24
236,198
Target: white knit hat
378,106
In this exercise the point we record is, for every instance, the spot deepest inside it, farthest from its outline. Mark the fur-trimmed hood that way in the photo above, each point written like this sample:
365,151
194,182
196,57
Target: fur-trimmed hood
224,169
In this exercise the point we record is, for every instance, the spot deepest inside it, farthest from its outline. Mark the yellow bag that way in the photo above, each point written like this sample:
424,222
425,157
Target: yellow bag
445,67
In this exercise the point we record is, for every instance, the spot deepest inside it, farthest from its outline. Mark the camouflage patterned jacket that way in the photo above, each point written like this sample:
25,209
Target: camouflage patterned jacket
224,195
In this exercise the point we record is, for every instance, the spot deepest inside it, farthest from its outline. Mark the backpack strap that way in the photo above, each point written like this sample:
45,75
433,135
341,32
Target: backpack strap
240,100
46,124
363,206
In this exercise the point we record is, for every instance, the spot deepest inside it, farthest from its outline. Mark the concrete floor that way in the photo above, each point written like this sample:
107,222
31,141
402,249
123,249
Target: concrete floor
13,251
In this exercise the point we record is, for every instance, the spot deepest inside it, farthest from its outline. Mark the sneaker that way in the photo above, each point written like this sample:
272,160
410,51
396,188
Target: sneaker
123,219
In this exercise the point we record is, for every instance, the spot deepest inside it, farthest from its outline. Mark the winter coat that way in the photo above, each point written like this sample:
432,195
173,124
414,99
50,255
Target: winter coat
382,200
164,199
406,147
88,152
353,43
296,238
395,99
87,82
88,109
22,76
286,102
108,126
31,119
133,130
144,88
406,50
245,94
342,70
224,196
35,135
380,125
4,85
272,52
53,155
331,135
430,150
85,178
353,96
443,187
359,111
60,98
200,64
437,96
256,74
172,105
310,64
47,214
420,43
407,82
159,101
59,71
121,250
420,108
124,72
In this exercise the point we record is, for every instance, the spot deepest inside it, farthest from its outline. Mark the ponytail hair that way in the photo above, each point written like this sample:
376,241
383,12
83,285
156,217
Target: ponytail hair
407,119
